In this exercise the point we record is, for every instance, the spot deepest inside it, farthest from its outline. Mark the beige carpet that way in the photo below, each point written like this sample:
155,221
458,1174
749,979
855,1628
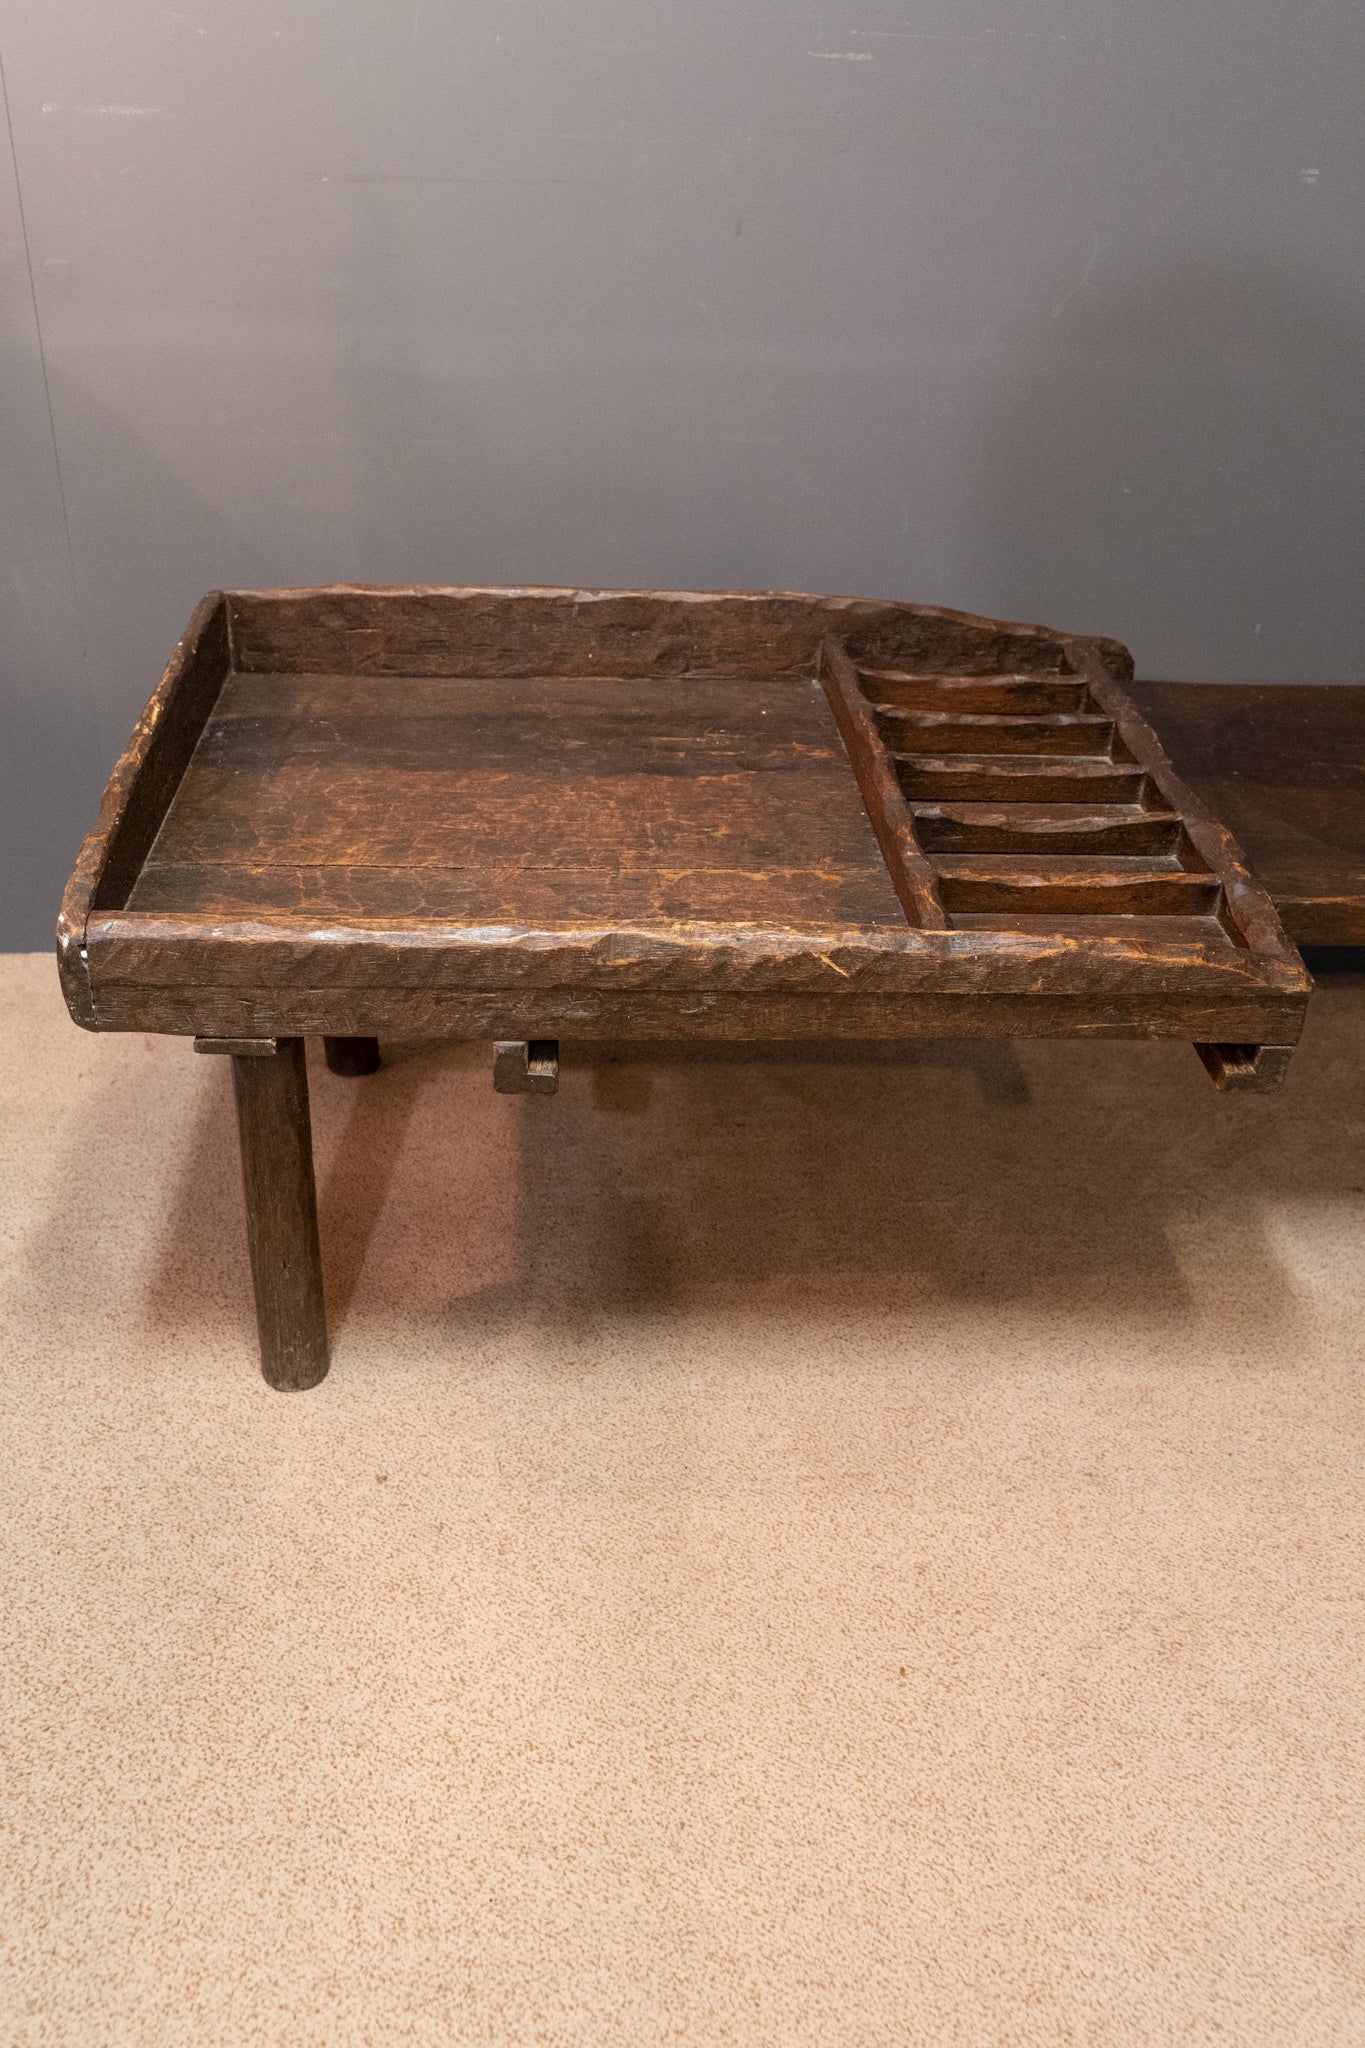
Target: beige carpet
789,1552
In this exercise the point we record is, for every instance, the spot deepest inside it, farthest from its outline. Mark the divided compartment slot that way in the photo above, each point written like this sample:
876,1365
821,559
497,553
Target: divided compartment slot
1031,811
1085,733
1032,828
1016,885
1008,779
899,690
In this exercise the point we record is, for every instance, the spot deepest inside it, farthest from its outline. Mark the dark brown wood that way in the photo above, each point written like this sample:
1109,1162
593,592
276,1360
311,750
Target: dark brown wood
404,899
1106,886
1283,766
351,1057
520,815
1250,912
911,875
1046,828
1020,779
140,789
172,953
522,1067
281,1214
445,808
892,690
1245,1010
720,797
1239,1068
959,732
405,630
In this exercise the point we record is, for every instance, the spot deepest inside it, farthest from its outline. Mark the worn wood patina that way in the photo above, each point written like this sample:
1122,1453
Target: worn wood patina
1283,765
526,815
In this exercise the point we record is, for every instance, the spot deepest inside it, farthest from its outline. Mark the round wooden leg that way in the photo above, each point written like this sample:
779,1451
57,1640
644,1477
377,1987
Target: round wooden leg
282,1214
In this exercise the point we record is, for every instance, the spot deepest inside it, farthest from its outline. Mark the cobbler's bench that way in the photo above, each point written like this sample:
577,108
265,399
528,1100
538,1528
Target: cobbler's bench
521,815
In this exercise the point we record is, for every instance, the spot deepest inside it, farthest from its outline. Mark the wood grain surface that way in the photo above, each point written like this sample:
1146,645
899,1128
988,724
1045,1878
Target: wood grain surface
724,798
519,813
282,1214
405,630
1283,766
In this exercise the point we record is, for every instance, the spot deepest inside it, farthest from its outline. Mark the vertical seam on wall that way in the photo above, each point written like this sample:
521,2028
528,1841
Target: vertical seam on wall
51,416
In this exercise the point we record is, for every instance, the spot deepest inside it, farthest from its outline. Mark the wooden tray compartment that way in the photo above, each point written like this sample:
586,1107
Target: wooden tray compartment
1036,813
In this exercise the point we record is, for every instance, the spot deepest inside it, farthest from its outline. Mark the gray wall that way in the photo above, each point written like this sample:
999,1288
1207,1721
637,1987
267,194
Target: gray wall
1052,310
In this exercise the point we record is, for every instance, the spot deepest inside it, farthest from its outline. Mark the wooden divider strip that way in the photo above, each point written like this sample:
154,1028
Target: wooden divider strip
1248,907
912,876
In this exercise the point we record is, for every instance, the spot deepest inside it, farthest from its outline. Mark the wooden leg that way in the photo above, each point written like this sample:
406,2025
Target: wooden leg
523,1066
1240,1068
352,1056
282,1213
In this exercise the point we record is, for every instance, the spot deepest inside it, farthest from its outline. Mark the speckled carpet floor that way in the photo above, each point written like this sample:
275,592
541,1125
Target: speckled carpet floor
794,1552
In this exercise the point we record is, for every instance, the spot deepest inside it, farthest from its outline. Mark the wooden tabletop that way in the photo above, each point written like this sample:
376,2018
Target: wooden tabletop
1283,766
520,814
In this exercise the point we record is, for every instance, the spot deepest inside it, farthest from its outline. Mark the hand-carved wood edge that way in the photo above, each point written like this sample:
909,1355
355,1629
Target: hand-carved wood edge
138,790
1249,907
912,876
459,629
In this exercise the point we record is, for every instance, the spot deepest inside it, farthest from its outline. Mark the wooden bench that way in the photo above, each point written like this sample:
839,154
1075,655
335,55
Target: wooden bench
1283,766
525,815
